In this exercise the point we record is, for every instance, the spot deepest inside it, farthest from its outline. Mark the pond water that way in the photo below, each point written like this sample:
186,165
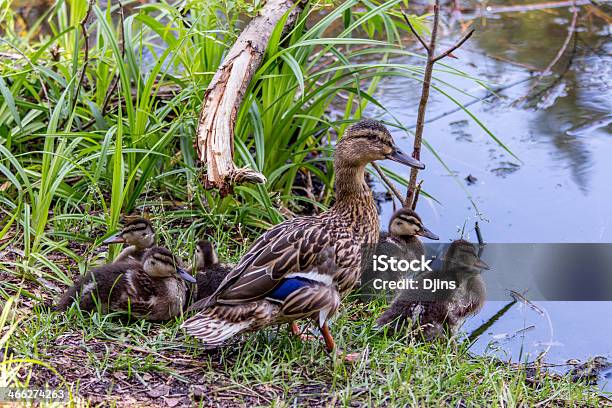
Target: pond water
559,191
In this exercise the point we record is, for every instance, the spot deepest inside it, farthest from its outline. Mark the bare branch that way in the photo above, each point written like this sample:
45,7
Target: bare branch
448,52
434,30
388,183
570,33
86,54
416,195
412,193
423,43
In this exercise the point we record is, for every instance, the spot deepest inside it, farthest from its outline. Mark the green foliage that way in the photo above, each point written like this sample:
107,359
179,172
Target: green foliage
91,132
108,129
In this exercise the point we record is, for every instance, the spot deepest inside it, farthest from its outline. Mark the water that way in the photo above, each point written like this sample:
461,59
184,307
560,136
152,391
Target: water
559,191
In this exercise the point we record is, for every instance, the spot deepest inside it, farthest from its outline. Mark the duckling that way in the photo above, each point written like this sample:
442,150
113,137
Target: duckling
154,289
401,243
443,311
209,271
286,253
138,234
405,227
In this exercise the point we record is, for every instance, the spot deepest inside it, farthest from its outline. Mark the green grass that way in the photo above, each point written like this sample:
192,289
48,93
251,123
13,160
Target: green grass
76,155
272,368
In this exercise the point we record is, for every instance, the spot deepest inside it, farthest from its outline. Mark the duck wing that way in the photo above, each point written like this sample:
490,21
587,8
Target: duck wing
289,247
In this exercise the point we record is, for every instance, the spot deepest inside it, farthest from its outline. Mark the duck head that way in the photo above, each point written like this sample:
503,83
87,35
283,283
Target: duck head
463,256
205,254
159,263
138,232
407,223
367,141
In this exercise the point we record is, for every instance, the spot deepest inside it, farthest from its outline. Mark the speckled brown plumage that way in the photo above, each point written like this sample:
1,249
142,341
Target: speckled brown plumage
291,248
315,300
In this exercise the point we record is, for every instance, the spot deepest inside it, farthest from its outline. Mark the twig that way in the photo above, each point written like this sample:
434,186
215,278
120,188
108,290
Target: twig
432,58
481,243
111,89
407,20
416,195
454,47
570,33
388,183
478,234
113,86
85,55
554,83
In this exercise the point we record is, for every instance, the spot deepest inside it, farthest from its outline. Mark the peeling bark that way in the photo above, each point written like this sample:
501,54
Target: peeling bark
222,100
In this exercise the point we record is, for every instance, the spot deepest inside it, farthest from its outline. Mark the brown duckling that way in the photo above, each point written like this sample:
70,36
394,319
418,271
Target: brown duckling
405,228
402,243
209,271
153,290
444,311
138,234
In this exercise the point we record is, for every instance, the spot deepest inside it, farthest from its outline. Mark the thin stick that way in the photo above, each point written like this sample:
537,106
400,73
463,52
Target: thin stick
412,194
85,56
115,81
423,43
570,33
388,183
416,195
454,47
478,234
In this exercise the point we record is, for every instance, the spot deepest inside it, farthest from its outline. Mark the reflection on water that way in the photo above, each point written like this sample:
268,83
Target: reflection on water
559,190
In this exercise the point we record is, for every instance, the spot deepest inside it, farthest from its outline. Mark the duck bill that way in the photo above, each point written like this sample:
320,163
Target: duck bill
185,275
403,158
114,239
480,264
428,234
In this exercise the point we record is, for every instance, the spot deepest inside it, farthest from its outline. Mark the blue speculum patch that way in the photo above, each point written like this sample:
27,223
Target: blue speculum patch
288,286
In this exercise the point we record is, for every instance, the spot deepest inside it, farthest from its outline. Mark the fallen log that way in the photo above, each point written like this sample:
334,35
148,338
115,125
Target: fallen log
222,100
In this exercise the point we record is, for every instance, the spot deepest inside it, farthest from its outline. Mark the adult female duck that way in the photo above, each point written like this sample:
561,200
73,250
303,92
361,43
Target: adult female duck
286,256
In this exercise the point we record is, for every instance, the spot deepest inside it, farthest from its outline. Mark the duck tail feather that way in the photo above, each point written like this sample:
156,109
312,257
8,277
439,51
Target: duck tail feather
213,329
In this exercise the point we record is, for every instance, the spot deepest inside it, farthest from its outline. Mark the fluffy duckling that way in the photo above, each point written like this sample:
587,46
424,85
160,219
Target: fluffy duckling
154,289
405,228
139,235
444,311
209,271
401,242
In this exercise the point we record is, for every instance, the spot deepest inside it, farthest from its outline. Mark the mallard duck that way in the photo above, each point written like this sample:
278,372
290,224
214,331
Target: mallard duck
283,257
138,234
153,290
445,310
209,272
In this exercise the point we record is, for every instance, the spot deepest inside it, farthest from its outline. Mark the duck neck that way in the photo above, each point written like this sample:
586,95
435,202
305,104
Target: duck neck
353,196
